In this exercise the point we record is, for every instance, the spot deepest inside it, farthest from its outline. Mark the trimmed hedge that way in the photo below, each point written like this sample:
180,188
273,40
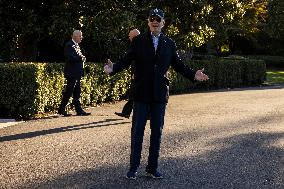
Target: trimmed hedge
223,73
32,89
18,89
270,61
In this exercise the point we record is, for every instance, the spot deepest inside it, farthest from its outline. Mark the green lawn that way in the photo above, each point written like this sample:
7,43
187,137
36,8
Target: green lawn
274,77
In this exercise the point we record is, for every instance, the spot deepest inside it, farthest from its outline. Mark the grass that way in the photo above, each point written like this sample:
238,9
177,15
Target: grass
274,77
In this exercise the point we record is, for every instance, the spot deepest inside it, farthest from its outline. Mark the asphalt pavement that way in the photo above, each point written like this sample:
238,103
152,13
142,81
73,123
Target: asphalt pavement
215,139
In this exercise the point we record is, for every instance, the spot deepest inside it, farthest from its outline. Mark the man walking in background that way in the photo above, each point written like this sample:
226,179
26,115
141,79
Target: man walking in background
73,71
127,108
153,53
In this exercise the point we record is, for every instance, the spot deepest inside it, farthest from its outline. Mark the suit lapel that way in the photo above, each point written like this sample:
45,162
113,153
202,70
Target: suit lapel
150,43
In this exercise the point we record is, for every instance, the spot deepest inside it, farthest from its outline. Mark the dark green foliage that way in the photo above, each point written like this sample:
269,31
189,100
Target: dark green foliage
18,89
223,73
33,89
275,21
36,30
270,61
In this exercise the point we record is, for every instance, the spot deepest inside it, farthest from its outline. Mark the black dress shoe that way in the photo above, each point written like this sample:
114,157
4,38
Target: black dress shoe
122,114
83,113
64,113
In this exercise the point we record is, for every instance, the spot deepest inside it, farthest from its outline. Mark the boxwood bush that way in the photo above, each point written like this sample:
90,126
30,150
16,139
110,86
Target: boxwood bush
270,61
33,89
223,73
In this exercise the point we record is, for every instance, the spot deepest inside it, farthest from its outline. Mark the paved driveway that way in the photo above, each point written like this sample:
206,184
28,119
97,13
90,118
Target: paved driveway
221,139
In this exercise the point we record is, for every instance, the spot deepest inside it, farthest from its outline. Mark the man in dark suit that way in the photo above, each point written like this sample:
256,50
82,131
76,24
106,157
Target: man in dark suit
73,71
127,108
153,54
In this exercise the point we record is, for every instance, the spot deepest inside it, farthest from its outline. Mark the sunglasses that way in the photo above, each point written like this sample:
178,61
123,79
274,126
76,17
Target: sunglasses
152,19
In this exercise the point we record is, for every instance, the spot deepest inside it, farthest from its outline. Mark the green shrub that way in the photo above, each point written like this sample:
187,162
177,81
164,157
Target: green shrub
18,89
270,61
33,89
223,73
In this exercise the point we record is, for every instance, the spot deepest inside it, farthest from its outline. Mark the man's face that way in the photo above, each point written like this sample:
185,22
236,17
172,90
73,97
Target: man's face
77,37
155,24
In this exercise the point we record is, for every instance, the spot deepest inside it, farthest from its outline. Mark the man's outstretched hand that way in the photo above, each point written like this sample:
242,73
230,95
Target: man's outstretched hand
108,68
200,76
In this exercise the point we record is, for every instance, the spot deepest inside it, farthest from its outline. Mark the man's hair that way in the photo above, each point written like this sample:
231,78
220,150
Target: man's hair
75,32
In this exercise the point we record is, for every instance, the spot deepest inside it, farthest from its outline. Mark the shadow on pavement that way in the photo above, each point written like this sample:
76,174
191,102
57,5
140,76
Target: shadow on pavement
62,129
242,161
258,88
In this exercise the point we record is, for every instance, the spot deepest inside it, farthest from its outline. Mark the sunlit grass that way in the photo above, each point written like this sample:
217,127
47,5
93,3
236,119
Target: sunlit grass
274,77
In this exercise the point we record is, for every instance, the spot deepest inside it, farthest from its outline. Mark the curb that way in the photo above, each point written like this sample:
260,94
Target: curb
8,122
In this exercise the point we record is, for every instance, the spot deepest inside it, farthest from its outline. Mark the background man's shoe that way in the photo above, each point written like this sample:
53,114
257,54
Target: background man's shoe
83,113
122,114
64,113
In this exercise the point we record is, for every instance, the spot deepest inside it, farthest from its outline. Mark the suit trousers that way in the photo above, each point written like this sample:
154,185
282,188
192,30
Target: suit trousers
140,114
127,108
73,88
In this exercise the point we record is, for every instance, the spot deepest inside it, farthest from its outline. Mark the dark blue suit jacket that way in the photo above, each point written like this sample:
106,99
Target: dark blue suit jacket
73,61
151,83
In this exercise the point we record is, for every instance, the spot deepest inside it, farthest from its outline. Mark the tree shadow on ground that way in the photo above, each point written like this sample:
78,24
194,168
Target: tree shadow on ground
242,161
104,123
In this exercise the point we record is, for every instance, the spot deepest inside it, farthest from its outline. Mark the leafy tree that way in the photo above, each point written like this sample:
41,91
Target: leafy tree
105,26
211,22
273,34
275,23
31,29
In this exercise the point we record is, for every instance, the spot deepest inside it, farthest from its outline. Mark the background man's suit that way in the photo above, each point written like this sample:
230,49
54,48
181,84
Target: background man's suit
73,71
